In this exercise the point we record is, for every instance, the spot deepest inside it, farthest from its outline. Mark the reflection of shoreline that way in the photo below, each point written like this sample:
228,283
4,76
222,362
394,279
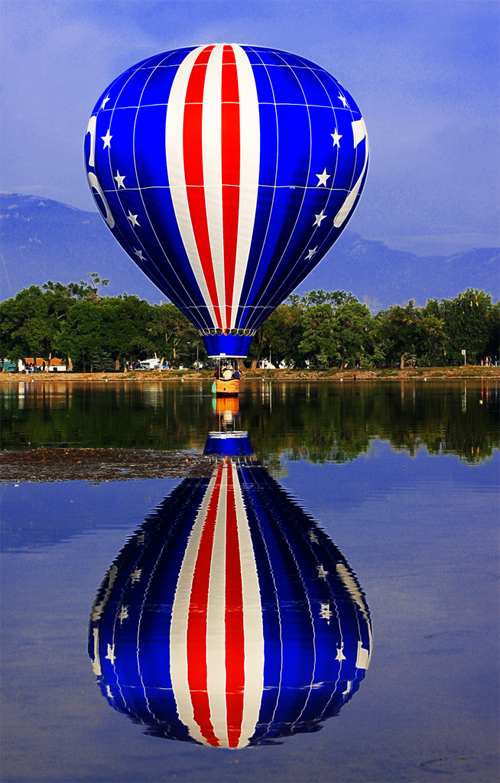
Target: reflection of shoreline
154,426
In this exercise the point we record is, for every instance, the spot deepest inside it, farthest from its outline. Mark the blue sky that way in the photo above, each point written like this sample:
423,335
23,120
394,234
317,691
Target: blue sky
425,74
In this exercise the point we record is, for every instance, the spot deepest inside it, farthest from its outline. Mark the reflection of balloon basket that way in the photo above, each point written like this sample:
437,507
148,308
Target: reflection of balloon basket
229,388
228,444
226,404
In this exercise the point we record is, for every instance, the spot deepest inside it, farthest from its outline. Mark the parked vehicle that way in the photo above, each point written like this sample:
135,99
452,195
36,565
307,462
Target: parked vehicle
149,364
9,366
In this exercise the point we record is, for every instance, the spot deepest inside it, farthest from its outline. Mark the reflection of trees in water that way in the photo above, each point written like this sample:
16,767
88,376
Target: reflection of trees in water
320,422
139,415
328,423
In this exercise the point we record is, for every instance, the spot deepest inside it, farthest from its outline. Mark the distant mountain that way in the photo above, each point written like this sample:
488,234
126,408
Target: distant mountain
42,240
383,277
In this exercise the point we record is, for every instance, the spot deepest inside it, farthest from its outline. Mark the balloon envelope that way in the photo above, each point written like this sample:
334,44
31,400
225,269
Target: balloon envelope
229,619
226,172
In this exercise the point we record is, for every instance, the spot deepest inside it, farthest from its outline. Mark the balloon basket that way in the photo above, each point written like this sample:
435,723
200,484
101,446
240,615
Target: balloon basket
230,388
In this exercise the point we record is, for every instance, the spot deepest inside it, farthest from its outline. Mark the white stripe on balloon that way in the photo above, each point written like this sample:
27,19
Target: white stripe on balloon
252,621
216,617
174,145
179,623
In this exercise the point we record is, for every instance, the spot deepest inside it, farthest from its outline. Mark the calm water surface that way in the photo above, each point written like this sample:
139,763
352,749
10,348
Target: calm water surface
368,606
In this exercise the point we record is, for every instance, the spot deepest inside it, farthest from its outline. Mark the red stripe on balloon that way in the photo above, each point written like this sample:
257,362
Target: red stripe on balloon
197,621
193,171
230,145
235,635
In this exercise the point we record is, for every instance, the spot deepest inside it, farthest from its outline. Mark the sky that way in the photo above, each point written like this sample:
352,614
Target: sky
425,74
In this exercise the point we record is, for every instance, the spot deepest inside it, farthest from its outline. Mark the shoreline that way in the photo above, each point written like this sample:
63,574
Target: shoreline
169,376
41,466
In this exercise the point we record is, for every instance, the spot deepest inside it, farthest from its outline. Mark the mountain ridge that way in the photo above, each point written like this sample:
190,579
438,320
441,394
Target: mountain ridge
42,239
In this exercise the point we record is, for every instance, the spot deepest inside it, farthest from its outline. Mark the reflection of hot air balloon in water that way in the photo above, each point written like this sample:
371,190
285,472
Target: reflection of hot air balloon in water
229,619
226,172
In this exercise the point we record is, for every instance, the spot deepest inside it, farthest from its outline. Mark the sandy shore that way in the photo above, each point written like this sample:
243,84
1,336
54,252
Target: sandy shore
169,376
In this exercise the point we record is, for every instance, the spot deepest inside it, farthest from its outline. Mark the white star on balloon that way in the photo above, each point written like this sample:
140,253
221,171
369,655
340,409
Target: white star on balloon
123,614
336,138
106,99
343,99
326,612
136,575
107,140
323,178
139,253
321,572
311,253
319,217
340,655
313,537
111,653
119,179
133,219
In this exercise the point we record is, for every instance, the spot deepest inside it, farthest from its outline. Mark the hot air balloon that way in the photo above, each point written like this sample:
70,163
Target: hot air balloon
229,619
226,172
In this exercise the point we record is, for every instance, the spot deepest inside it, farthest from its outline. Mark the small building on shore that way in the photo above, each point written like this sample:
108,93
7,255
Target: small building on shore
37,364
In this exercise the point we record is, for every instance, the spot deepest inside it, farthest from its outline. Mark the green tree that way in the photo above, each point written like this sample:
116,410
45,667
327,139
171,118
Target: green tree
336,328
81,336
467,324
114,327
319,341
398,331
129,322
493,343
279,336
173,337
31,324
27,325
352,322
81,290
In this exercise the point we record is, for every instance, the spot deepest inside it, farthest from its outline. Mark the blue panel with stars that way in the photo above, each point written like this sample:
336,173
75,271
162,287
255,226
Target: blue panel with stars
120,164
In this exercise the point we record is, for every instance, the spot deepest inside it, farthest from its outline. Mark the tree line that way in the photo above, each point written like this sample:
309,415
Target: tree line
319,330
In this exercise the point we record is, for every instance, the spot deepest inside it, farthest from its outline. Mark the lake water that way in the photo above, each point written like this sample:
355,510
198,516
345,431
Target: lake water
340,621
